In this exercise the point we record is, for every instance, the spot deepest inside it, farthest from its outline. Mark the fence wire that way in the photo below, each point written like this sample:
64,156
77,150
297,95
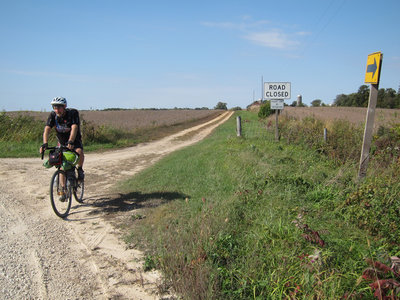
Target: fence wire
260,129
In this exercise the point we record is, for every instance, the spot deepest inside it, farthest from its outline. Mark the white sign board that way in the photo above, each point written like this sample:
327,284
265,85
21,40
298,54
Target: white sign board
277,104
277,90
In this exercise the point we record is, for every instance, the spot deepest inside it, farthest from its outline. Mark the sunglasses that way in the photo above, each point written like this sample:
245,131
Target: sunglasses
58,106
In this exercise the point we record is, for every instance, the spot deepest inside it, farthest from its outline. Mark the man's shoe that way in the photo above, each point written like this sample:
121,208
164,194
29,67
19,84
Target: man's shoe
63,197
81,174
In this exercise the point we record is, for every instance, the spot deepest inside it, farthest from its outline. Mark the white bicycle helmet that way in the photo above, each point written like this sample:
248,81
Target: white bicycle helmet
59,101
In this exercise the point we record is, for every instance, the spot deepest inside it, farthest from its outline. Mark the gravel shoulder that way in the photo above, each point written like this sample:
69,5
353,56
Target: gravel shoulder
82,257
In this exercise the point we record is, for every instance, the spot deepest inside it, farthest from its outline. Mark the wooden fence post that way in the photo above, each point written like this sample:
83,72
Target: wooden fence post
238,126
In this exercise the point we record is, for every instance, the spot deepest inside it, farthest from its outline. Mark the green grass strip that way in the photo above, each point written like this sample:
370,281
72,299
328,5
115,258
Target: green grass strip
236,218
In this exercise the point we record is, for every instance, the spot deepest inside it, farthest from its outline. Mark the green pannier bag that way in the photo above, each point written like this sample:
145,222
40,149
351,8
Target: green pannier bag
46,164
70,159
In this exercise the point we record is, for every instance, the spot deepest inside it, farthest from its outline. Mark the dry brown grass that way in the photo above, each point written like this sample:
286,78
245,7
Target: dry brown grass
355,115
136,119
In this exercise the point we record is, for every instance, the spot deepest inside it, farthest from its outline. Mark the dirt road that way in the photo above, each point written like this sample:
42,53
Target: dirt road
82,257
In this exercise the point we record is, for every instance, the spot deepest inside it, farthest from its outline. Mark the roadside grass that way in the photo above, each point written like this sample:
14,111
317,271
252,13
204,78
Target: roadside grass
255,219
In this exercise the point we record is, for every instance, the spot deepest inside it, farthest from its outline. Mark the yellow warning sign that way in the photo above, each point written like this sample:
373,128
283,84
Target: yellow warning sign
373,71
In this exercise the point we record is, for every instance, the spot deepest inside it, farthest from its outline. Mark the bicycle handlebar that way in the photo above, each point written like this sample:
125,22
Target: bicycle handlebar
62,147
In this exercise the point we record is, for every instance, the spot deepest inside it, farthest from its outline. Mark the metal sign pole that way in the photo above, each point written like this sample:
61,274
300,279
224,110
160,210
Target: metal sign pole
369,126
276,125
372,74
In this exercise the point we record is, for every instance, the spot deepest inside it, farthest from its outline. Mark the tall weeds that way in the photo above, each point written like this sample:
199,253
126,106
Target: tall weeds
343,142
374,204
22,135
20,129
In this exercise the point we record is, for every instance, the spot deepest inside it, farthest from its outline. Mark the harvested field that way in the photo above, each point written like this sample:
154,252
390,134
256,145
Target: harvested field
355,115
128,119
137,119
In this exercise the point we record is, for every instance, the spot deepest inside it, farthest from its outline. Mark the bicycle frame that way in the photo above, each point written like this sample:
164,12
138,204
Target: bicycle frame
64,184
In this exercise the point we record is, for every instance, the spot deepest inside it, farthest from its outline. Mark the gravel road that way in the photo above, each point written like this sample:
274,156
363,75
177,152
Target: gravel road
81,257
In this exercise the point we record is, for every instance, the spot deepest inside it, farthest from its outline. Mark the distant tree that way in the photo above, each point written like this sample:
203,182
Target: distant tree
359,99
221,105
294,104
316,103
362,96
387,98
341,100
236,108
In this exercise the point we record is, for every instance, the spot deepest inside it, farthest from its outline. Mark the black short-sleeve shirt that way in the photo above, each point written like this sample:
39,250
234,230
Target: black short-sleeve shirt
63,126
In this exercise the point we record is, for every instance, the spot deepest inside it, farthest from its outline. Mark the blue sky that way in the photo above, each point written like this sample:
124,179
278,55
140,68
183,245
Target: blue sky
166,54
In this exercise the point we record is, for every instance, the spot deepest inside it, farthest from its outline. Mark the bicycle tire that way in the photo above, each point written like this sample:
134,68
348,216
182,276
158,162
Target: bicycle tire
60,207
79,190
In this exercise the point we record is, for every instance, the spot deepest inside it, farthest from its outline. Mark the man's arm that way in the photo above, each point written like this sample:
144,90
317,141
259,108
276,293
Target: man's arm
72,136
46,134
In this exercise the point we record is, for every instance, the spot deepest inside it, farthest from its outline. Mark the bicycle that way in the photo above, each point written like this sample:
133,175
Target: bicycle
64,182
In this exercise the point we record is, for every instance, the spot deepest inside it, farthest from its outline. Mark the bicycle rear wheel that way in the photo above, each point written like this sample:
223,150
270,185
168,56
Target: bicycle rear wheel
79,189
60,193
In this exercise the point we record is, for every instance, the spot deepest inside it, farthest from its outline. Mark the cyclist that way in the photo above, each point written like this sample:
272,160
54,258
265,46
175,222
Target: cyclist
66,122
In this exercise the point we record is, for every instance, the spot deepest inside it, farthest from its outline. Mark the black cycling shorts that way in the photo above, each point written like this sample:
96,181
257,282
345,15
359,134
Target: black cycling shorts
78,144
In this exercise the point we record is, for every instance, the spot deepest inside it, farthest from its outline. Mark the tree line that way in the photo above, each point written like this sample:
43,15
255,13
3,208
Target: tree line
387,98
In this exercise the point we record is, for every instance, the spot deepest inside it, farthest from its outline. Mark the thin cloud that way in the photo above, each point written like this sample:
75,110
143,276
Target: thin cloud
258,33
272,39
246,24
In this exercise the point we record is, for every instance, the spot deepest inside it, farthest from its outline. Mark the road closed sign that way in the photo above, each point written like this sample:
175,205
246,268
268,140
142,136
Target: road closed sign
277,90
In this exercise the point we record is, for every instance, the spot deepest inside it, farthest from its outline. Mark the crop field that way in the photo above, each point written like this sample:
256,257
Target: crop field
21,131
127,119
355,115
135,118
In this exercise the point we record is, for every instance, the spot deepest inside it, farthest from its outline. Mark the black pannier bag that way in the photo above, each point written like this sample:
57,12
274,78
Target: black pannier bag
55,157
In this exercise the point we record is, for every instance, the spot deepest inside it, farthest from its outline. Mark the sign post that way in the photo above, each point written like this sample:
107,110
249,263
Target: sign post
372,74
276,92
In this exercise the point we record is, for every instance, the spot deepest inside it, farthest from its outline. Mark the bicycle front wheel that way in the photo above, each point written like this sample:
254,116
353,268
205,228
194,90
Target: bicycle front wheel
60,193
79,189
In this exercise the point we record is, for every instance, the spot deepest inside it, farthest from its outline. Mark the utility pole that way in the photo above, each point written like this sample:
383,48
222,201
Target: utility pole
262,88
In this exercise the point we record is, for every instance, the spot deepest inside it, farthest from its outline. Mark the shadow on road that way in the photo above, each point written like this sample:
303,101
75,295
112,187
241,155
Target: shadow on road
126,202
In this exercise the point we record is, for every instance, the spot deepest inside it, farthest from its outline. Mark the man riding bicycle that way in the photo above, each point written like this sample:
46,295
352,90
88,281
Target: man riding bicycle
67,124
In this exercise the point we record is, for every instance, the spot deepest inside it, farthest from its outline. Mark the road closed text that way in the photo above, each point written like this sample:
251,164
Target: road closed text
277,90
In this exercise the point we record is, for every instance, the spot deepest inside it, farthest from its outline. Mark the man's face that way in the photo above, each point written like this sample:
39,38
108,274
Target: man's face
59,110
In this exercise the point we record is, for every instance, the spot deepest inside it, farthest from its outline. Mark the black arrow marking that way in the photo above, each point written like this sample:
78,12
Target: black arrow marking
372,68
